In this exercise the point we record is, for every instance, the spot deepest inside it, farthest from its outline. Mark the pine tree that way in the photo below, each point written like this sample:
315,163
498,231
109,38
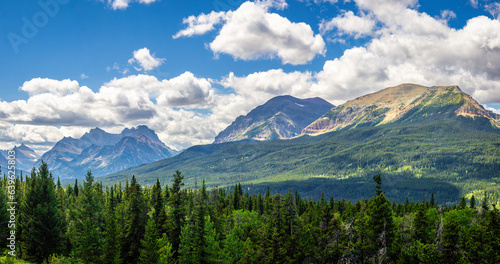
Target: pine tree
111,245
198,226
4,216
236,197
462,204
431,202
87,225
135,222
472,203
451,235
76,188
378,184
177,212
150,246
493,236
380,223
484,205
188,252
158,205
41,223
165,254
421,225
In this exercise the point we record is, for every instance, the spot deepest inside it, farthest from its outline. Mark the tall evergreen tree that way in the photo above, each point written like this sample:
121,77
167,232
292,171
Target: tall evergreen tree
111,245
432,203
150,247
4,215
462,204
380,223
451,236
158,205
177,212
193,243
472,203
485,205
41,223
87,225
76,190
135,222
421,225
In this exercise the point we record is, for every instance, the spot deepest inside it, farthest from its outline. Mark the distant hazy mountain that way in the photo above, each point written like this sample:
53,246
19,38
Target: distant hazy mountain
25,157
104,153
403,103
281,117
3,162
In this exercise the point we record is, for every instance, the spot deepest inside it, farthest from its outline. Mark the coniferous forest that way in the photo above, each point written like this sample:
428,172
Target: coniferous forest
127,223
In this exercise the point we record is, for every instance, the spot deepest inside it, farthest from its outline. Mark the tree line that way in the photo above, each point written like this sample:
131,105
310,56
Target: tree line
90,223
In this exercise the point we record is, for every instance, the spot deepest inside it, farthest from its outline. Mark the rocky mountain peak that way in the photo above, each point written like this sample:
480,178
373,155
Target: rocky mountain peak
281,117
410,102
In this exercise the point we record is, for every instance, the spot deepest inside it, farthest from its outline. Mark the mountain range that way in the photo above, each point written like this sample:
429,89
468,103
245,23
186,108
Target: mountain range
282,117
422,139
104,153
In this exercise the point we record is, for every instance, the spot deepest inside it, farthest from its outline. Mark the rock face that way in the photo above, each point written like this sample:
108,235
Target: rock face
104,153
402,103
282,117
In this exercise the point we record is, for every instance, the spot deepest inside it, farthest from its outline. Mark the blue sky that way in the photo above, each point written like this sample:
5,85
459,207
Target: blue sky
69,65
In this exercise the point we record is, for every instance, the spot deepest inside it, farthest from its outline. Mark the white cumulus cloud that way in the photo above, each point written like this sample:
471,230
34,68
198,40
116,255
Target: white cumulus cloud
45,85
145,60
252,33
349,24
201,24
124,4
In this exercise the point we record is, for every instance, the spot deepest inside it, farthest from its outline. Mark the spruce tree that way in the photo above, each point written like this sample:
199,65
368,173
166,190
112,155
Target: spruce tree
177,212
472,203
4,216
165,254
87,225
432,202
462,204
484,205
150,246
451,236
421,225
159,215
76,190
135,222
41,223
380,223
111,245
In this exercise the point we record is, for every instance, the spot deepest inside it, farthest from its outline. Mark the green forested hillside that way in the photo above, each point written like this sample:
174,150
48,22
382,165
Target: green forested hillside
448,155
130,223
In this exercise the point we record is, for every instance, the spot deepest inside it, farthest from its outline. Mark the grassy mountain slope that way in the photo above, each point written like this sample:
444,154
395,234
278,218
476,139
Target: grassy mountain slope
449,158
406,102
